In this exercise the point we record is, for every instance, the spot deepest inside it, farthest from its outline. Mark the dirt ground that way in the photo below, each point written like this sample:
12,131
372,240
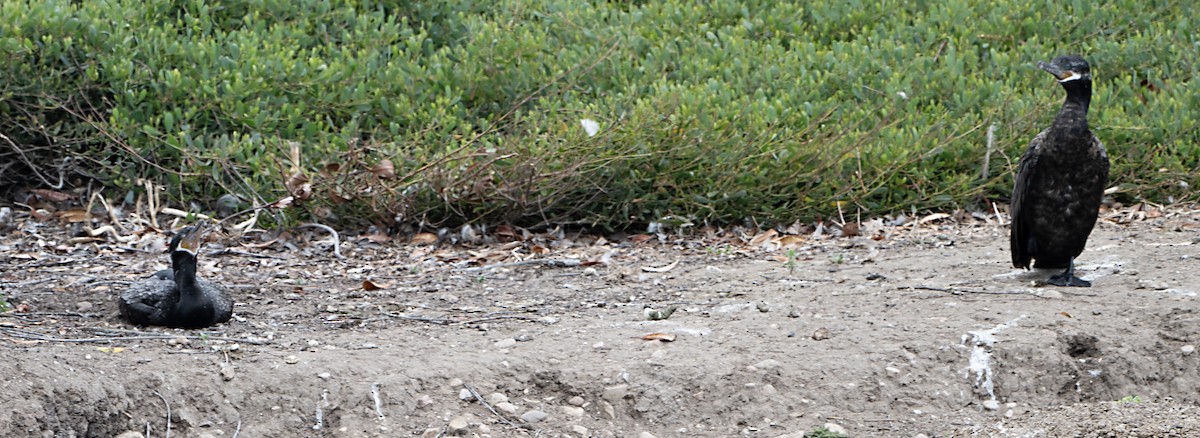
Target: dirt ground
912,328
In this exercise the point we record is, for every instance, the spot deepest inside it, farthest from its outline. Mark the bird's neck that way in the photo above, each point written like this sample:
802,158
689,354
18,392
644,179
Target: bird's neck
184,266
1072,117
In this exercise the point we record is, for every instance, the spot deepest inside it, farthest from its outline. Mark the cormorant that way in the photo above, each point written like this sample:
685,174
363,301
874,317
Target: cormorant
1060,181
175,297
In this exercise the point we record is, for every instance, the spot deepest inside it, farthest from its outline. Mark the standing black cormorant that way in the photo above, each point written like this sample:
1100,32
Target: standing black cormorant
1060,181
175,297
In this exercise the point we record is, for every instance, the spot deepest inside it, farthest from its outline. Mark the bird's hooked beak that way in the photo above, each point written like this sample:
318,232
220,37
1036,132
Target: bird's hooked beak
190,242
1058,72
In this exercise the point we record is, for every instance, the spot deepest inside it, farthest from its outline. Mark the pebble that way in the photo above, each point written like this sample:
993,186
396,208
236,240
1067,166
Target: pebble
455,382
534,416
768,364
496,398
1188,349
432,432
465,394
226,371
599,346
835,428
615,392
608,409
506,407
84,306
645,435
892,370
505,343
324,376
291,359
424,401
457,426
582,431
573,411
769,390
576,401
130,434
991,405
820,334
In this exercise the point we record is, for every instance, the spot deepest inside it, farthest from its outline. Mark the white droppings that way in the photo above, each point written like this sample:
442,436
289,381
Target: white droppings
981,357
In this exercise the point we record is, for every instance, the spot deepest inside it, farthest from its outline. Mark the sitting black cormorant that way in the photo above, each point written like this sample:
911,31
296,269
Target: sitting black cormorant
1060,181
175,297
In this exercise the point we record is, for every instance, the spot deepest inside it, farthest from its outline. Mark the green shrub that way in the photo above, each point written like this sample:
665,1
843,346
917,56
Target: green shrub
714,111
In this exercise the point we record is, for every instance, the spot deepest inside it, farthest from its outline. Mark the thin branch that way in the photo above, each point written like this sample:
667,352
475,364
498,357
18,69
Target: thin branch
554,263
337,246
164,399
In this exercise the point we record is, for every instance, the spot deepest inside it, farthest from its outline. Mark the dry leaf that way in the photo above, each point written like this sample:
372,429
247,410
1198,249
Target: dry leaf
661,268
763,237
933,217
659,336
538,249
850,229
786,241
369,285
51,195
424,238
1068,315
640,238
73,215
297,185
384,169
281,203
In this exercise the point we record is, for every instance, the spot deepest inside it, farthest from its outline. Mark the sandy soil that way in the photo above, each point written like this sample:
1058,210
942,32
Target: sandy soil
907,330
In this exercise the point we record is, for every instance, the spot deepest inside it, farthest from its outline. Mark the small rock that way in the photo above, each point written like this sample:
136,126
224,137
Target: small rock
455,382
582,431
84,306
1187,349
645,435
458,425
534,416
313,342
131,434
496,398
991,405
892,370
291,359
324,376
608,409
465,394
206,435
573,411
600,346
769,390
768,364
763,307
424,401
506,407
616,392
506,343
576,401
226,371
523,337
820,334
432,432
920,435
835,428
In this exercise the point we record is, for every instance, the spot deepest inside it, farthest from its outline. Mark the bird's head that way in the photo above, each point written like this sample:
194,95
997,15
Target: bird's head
1068,68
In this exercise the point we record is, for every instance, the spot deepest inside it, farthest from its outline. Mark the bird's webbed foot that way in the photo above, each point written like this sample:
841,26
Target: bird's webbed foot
1068,278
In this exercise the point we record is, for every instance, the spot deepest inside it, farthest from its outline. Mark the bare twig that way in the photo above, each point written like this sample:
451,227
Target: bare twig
164,399
487,405
337,251
320,414
554,263
238,429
